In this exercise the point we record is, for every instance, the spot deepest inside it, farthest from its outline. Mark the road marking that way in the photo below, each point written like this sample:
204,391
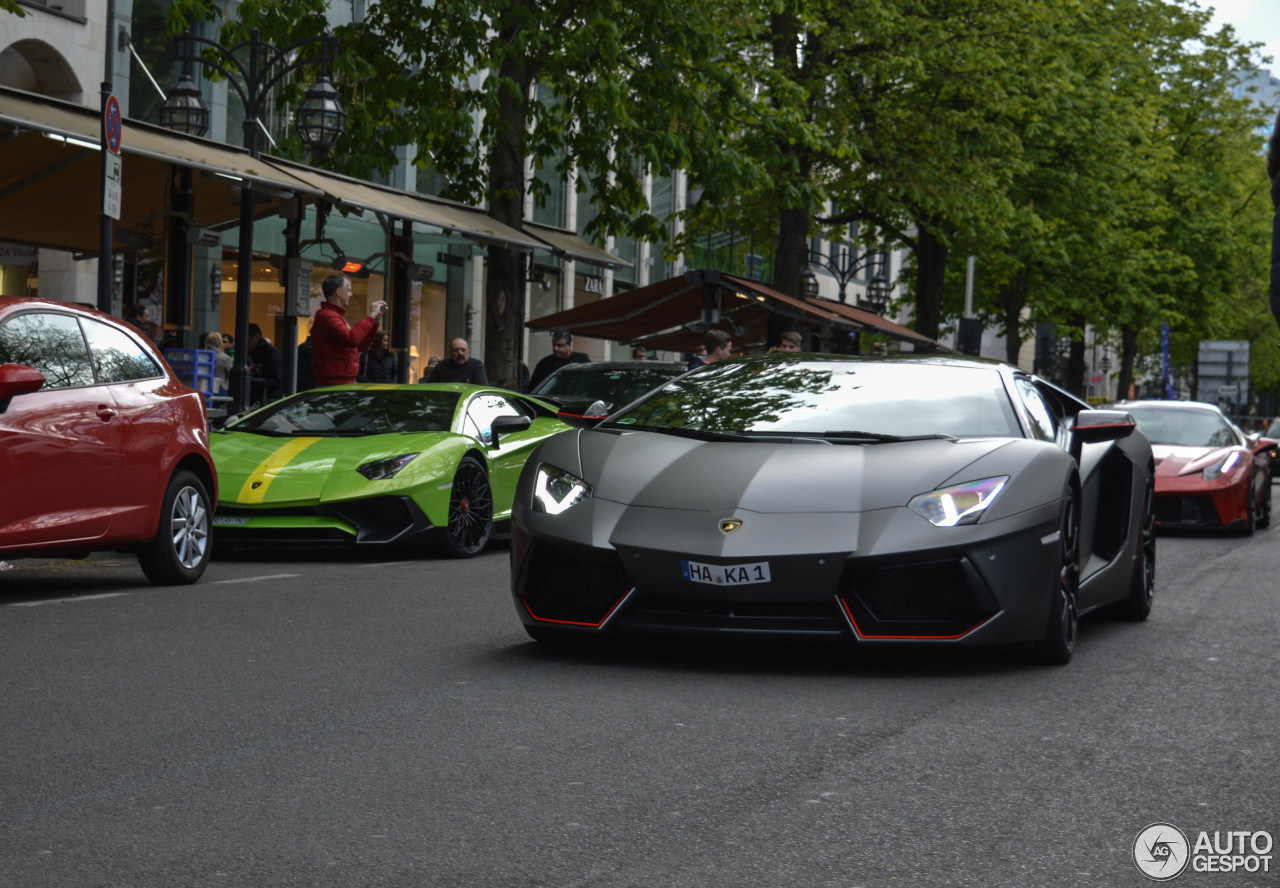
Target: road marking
256,579
66,600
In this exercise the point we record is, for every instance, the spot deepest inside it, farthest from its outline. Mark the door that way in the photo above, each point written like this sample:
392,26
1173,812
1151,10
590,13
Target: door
61,446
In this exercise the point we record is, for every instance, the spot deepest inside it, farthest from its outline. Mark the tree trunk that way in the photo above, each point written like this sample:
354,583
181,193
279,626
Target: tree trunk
931,264
1128,353
505,285
793,251
1074,382
1013,302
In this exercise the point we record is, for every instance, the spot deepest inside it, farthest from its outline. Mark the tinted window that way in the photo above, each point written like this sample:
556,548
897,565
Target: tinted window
49,342
1184,428
352,413
118,357
483,410
799,395
618,386
1042,423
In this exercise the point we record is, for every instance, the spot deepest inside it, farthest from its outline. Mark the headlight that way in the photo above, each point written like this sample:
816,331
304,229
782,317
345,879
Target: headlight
962,504
1222,466
381,469
555,490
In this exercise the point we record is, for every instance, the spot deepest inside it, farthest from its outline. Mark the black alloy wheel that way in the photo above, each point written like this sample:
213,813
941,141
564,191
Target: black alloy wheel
1251,516
1142,588
470,510
1059,641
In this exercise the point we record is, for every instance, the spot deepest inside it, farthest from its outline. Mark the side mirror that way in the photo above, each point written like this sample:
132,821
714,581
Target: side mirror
505,425
18,379
1097,426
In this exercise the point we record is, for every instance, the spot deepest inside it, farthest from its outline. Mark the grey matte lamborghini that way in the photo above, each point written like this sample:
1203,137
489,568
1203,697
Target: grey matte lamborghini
910,500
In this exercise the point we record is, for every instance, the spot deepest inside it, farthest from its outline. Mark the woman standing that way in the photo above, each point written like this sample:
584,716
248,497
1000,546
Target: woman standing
221,362
379,361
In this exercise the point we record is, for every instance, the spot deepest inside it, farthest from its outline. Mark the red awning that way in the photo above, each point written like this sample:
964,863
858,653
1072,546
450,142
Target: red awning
678,302
669,314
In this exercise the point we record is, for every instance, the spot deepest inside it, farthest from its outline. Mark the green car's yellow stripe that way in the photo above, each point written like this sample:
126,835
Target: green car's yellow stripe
259,480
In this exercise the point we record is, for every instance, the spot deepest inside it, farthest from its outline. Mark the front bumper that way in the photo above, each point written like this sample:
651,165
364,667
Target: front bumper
1190,501
879,577
376,521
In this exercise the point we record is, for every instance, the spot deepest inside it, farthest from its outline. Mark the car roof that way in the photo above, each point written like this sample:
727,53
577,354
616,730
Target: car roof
594,366
1202,406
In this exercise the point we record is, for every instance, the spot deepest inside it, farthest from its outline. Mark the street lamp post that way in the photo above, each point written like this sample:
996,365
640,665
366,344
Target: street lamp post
319,122
845,268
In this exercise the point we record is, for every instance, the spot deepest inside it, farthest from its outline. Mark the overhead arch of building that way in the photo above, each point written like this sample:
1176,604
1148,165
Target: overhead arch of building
38,67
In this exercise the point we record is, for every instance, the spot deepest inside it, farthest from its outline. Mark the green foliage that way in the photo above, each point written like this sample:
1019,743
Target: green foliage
1090,154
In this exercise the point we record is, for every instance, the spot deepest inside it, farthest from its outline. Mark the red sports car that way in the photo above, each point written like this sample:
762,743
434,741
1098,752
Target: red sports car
101,446
1208,472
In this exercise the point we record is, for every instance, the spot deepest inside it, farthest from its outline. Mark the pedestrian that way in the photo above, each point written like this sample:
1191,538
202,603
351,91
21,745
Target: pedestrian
717,344
378,364
639,353
460,367
562,353
431,365
306,379
140,317
221,362
266,368
790,342
335,344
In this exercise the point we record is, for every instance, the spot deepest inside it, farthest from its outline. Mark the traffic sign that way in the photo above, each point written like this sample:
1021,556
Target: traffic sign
111,123
112,190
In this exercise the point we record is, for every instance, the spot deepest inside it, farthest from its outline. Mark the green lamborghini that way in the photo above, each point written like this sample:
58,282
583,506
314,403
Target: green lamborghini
391,465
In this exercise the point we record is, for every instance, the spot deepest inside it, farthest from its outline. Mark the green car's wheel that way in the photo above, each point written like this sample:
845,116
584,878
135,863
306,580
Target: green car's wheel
470,510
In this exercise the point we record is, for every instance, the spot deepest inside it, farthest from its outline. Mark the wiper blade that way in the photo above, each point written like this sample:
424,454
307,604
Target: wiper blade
700,434
878,438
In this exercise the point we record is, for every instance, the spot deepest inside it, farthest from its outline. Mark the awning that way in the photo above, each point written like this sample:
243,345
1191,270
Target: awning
567,245
51,190
864,318
355,194
676,305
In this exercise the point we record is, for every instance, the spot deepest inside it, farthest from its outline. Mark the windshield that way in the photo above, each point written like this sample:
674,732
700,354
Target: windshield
828,398
1184,428
619,385
349,412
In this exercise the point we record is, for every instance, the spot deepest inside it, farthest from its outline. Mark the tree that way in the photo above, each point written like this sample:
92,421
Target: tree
487,89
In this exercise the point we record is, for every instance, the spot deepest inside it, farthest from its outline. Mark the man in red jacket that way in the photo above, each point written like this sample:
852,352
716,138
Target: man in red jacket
335,344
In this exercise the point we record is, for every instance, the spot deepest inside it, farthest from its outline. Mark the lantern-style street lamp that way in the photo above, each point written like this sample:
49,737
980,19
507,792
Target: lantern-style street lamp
320,122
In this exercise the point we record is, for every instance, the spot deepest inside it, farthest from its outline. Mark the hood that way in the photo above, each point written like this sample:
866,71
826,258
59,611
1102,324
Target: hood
299,469
667,471
1173,460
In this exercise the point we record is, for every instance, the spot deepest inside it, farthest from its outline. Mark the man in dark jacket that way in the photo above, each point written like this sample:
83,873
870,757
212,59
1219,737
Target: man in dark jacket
268,366
562,353
460,367
335,344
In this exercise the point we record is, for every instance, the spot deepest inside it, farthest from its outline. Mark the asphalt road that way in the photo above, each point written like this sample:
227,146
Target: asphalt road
341,721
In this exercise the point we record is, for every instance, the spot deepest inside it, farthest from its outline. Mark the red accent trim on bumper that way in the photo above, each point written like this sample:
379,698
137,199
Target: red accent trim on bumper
858,632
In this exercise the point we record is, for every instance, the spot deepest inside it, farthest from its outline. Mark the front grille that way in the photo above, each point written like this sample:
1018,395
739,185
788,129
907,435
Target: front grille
935,598
566,587
658,612
381,519
1197,510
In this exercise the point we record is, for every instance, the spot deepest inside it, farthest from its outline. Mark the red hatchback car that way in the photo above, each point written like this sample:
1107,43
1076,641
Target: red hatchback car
1208,472
101,446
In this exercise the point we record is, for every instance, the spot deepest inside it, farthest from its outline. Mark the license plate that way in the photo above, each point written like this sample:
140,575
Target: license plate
726,574
219,521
